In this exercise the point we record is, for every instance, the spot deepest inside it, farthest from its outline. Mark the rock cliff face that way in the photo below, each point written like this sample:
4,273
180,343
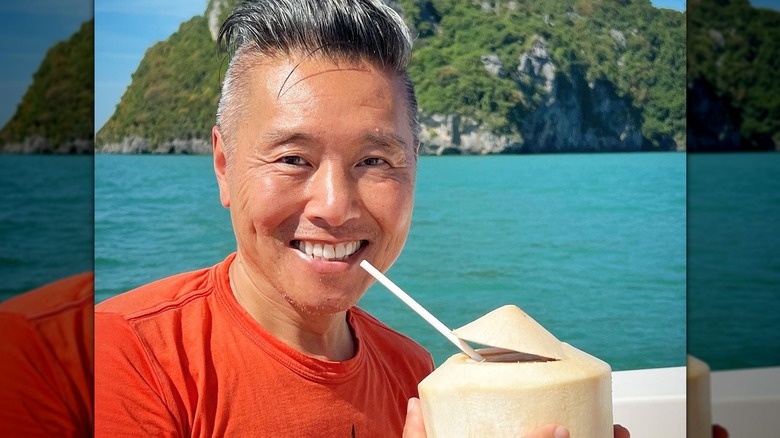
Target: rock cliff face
573,116
140,145
580,117
214,12
41,145
713,123
452,134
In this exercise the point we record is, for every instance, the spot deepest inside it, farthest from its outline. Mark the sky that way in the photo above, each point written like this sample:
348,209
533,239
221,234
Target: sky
678,5
770,4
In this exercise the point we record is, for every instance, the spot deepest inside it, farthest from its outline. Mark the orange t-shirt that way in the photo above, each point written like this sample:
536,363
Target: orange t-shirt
46,360
181,357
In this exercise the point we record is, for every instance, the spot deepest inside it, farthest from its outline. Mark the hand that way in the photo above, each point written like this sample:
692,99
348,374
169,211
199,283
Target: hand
414,427
555,431
621,432
719,431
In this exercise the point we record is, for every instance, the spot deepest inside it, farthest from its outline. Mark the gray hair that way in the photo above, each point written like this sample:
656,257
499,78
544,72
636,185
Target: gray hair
340,30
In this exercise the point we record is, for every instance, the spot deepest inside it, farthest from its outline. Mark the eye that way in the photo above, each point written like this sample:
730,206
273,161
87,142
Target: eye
293,160
372,161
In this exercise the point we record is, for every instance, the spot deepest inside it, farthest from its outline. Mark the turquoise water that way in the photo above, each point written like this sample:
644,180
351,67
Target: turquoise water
45,220
592,246
734,259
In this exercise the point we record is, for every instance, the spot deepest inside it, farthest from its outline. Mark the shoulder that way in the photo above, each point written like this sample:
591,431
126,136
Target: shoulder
171,293
152,322
143,336
59,314
390,343
61,296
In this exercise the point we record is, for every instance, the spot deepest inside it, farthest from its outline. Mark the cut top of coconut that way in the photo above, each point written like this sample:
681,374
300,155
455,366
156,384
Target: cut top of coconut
696,367
510,328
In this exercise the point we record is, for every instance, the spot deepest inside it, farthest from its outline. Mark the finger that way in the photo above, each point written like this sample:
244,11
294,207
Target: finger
549,431
719,431
414,426
621,432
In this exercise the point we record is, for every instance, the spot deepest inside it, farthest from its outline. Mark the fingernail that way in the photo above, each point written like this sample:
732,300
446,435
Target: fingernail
561,432
410,405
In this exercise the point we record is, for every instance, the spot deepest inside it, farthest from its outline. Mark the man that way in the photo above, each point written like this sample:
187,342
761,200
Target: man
315,153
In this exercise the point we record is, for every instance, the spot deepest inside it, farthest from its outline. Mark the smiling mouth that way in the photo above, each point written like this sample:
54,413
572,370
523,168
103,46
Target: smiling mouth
328,252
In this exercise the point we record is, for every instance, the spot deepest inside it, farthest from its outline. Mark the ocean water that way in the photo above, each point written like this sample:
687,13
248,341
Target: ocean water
734,259
45,220
592,246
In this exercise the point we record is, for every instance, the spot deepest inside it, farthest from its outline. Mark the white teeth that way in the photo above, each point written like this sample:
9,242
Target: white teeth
328,252
340,251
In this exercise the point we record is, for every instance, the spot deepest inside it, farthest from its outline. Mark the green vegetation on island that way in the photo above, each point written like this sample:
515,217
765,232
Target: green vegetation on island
629,43
56,113
174,92
733,90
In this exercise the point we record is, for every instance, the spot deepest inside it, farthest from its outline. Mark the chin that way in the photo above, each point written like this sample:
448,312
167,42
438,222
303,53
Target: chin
321,309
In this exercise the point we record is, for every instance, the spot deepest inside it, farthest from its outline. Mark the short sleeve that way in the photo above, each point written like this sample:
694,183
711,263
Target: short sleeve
129,397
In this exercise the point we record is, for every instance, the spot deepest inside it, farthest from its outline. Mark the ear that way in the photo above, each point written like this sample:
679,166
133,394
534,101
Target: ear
220,166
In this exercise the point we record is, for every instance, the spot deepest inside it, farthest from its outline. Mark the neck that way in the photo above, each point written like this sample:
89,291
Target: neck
323,336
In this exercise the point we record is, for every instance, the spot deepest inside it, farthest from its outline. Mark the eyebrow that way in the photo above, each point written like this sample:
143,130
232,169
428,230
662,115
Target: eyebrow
276,138
389,140
386,139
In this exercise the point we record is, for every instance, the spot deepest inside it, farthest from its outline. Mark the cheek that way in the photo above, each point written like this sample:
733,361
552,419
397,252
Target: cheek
391,206
262,203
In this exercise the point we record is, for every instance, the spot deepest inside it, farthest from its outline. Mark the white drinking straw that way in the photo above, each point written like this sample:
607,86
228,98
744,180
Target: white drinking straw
426,315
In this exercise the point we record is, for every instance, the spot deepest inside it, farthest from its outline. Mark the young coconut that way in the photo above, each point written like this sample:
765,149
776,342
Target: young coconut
528,379
699,402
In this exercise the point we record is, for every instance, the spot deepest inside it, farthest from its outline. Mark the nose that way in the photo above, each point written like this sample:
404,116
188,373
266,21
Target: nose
333,196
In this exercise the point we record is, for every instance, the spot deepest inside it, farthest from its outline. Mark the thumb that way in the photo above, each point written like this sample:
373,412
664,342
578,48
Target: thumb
414,427
549,431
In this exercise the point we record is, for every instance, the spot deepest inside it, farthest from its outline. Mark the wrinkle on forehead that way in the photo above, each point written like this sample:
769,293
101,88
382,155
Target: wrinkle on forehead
315,81
283,89
317,69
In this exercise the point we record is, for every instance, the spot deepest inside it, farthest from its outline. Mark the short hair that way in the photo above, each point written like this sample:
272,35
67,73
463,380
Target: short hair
341,30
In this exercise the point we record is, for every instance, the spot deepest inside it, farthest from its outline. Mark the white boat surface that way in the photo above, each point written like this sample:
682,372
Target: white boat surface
651,402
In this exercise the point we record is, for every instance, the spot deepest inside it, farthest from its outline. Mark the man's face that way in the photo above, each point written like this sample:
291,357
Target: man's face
321,177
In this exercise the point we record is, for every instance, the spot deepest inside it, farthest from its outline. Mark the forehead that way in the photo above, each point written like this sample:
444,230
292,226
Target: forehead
289,75
322,95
